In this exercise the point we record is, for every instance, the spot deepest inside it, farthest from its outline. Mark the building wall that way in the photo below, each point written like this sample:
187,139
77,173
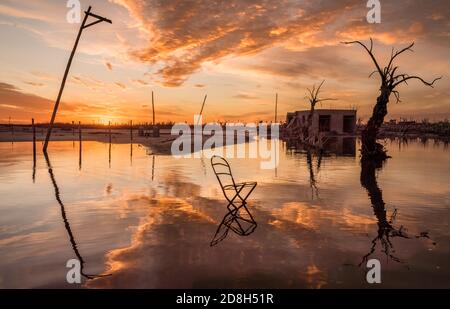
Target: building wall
336,121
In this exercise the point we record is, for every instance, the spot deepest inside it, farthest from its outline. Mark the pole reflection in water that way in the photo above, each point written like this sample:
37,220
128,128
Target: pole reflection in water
131,154
66,221
34,150
153,167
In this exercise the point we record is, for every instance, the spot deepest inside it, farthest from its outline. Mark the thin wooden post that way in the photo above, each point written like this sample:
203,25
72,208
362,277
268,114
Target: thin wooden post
276,106
12,130
34,138
153,109
109,128
34,148
79,131
155,130
131,130
109,156
201,110
66,73
79,139
73,129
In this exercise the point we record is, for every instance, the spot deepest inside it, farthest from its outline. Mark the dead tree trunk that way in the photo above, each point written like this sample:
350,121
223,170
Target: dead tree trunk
370,147
389,81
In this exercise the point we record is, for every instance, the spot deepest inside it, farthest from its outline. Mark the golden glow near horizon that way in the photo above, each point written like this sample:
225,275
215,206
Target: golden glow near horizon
241,53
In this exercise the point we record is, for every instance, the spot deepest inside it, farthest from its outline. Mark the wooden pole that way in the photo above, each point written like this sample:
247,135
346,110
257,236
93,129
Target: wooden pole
155,130
131,130
63,83
34,147
66,73
79,139
79,131
276,106
201,110
109,129
34,138
153,109
109,156
12,130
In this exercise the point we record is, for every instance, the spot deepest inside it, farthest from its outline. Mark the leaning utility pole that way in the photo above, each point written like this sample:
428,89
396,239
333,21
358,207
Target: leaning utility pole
82,27
201,110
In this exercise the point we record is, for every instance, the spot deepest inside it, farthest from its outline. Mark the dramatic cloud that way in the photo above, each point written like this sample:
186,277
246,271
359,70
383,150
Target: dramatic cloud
183,35
240,51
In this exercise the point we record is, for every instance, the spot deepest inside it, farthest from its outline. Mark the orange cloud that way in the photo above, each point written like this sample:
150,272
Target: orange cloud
182,36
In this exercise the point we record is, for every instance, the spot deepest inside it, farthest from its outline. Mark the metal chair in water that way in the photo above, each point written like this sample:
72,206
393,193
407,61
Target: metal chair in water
238,219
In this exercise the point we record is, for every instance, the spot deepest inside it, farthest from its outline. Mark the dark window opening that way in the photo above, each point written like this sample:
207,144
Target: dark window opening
324,123
349,124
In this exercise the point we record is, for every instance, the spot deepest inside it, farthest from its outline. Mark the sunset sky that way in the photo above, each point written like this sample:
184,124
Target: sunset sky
238,52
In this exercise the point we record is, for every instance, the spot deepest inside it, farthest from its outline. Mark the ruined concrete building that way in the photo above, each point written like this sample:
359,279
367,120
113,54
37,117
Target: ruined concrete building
325,121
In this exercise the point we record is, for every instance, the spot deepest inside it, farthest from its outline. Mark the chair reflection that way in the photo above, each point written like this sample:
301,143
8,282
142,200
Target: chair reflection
66,221
238,218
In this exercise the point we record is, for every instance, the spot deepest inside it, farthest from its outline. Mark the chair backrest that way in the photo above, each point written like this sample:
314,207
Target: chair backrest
223,171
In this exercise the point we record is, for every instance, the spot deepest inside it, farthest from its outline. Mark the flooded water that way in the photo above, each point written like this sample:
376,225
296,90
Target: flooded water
136,220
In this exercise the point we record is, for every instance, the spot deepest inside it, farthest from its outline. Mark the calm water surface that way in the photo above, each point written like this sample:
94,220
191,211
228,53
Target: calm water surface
138,220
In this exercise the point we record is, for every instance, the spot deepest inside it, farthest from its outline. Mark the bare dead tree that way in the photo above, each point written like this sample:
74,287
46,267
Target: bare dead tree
313,98
390,79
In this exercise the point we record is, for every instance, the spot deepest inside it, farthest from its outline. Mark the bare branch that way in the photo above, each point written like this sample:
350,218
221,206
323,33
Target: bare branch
399,76
409,47
370,75
311,96
393,73
397,96
318,88
405,79
370,54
